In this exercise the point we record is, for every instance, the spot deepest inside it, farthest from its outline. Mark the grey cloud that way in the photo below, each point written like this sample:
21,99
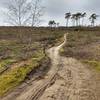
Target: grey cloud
93,5
56,8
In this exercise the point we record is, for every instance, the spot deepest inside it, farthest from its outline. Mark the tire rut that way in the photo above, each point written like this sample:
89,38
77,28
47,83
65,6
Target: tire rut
67,79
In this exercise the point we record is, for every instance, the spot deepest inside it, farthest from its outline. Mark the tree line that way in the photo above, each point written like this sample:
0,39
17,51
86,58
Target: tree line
77,19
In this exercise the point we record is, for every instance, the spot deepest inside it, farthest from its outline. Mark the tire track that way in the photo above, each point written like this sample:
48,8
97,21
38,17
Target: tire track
74,82
67,79
36,89
53,53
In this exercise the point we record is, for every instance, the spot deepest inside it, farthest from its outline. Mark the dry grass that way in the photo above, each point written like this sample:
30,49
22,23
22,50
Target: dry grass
83,45
22,44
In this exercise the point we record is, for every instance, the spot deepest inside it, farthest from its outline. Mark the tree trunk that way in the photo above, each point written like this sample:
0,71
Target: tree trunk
67,22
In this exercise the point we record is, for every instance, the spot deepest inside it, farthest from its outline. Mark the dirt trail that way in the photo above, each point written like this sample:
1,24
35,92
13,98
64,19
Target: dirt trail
67,79
74,81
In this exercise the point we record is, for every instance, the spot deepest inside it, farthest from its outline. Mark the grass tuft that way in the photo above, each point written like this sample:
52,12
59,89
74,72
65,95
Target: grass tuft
93,63
14,77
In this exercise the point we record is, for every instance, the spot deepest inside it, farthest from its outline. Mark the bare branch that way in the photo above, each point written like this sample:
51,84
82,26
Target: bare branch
18,10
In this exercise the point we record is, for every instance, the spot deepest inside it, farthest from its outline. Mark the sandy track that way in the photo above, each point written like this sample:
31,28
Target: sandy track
37,91
67,79
74,82
36,88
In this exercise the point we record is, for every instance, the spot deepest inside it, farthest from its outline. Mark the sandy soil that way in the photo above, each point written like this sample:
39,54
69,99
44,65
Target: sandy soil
67,79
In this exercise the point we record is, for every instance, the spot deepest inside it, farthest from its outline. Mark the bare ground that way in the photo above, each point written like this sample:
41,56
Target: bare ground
67,79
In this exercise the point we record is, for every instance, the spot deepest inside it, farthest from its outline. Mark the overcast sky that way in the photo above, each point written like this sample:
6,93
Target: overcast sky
55,9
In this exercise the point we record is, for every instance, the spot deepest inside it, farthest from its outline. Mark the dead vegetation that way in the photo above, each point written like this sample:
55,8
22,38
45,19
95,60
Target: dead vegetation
84,45
21,53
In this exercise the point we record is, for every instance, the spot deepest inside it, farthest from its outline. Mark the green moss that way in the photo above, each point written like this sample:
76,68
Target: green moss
61,50
5,63
15,76
94,64
16,44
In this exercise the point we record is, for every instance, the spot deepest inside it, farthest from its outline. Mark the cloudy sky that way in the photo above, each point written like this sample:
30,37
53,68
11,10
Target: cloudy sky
55,9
